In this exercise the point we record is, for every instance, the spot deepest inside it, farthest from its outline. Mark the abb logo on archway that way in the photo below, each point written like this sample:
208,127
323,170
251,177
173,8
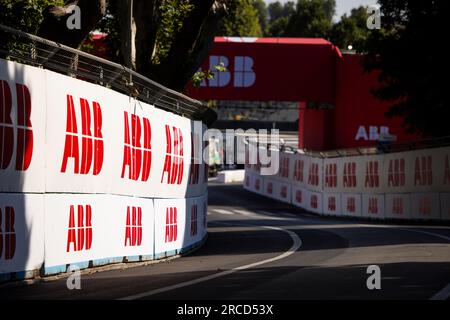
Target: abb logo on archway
7,233
243,74
16,133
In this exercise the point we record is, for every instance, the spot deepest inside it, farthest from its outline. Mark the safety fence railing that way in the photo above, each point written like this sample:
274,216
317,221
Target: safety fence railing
29,49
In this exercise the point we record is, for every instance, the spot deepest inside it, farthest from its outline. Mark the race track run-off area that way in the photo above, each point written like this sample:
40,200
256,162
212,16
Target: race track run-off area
258,248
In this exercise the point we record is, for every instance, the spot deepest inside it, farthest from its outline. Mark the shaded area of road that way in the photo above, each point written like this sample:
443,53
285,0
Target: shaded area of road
330,264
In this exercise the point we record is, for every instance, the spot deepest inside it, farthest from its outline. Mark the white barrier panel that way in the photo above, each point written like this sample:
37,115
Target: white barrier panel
314,201
286,167
425,206
351,204
21,232
248,181
372,167
431,170
283,192
314,174
350,175
170,225
81,228
445,206
298,197
330,178
332,204
258,184
270,188
373,206
105,142
398,172
398,206
300,174
22,128
196,221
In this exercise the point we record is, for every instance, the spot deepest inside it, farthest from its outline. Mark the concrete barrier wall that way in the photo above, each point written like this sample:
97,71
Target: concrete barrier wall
89,176
412,185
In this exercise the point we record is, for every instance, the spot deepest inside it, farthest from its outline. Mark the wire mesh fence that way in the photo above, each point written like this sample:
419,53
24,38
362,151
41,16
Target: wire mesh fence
28,49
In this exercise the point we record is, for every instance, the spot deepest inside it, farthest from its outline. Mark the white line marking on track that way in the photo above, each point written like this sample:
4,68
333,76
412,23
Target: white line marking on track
443,294
223,211
297,243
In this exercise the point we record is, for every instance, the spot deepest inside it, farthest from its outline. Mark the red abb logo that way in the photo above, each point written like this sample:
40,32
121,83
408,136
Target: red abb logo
257,184
284,168
332,203
314,201
350,174
373,206
91,138
194,173
133,227
7,237
396,173
298,170
423,171
20,130
425,206
447,171
171,225
331,175
137,147
397,206
283,192
298,196
79,233
247,181
173,163
194,220
372,179
269,188
351,204
313,177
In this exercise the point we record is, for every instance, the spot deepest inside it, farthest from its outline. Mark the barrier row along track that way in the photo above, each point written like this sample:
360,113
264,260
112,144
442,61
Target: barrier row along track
259,248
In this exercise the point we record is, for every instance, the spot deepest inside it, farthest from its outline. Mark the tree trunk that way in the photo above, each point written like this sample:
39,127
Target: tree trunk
54,26
191,45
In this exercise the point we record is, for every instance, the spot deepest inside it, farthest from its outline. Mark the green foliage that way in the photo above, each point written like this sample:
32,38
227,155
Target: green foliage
351,30
279,18
24,15
312,18
173,12
263,14
242,20
203,75
410,52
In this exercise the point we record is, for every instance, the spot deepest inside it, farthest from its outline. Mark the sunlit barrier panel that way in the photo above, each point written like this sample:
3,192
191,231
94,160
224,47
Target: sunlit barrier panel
107,142
332,204
425,206
22,128
398,206
21,232
180,224
373,205
81,228
351,204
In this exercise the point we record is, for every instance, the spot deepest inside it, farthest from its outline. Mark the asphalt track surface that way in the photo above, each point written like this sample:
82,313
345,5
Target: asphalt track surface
259,248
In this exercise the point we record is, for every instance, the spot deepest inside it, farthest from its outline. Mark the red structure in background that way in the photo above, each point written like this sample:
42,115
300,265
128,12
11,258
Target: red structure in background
305,70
